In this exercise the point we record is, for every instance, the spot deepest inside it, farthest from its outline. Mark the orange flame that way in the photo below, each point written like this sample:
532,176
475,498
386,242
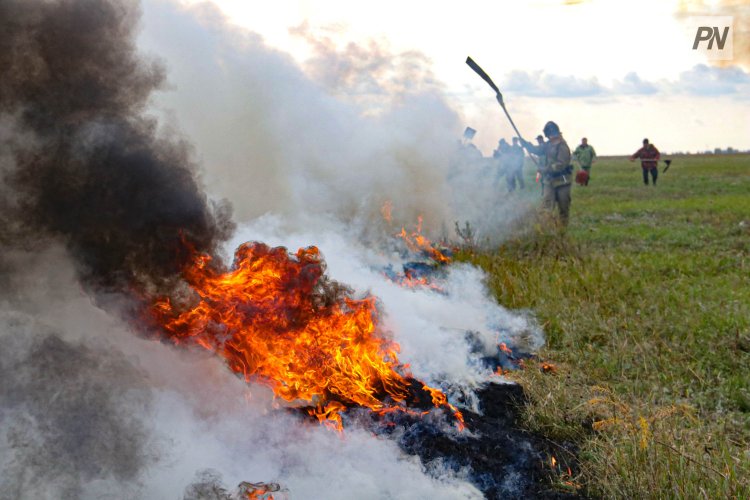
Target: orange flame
275,318
548,368
386,211
406,280
259,491
418,243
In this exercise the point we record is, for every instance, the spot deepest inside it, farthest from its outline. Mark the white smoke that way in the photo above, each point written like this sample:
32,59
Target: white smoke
430,325
92,411
97,412
276,137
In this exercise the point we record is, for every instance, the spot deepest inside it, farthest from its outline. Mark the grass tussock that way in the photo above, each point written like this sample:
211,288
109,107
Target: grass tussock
645,302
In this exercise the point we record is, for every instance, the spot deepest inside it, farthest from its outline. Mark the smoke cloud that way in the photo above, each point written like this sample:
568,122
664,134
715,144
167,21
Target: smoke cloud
430,325
308,141
91,411
85,163
102,196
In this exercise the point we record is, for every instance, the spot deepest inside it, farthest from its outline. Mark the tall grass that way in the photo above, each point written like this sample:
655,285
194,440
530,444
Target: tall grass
645,301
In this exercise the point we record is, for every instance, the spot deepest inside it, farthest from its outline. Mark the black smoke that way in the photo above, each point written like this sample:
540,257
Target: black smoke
81,160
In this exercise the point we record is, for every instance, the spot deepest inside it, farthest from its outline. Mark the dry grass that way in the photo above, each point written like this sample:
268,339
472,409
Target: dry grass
646,305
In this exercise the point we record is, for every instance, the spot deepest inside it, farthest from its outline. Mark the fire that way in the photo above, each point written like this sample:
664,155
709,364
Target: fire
548,367
261,491
386,210
503,347
409,279
416,242
275,318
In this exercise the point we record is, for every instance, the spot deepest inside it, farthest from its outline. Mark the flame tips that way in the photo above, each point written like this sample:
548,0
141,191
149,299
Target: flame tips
276,319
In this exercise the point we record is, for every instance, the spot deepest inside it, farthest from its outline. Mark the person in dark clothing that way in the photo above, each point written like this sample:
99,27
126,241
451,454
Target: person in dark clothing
514,166
556,170
501,157
649,156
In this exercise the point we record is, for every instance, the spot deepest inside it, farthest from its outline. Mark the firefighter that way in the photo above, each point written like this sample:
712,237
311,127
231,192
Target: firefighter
556,170
585,155
649,156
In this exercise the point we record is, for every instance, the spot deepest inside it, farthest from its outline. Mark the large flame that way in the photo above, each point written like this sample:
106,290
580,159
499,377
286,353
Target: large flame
276,318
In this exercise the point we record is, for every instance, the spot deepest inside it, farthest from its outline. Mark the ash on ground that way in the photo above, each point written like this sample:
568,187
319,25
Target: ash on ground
494,452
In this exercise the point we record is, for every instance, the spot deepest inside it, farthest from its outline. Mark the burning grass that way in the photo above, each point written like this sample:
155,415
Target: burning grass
646,305
275,317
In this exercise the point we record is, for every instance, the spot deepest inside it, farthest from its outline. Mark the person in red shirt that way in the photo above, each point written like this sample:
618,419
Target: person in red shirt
649,156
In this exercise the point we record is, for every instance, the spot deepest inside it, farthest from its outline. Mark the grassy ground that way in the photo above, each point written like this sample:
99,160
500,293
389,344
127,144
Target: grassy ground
645,302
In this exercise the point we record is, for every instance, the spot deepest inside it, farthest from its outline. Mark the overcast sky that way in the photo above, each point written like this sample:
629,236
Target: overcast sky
613,70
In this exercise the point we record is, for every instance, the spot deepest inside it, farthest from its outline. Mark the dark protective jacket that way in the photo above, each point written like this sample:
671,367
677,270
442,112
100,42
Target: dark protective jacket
556,170
516,157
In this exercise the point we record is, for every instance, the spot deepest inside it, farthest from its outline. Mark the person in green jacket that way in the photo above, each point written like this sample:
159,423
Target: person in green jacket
585,155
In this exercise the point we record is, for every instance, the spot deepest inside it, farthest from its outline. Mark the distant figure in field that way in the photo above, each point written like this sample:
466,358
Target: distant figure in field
556,170
514,166
501,155
585,155
649,156
471,150
465,156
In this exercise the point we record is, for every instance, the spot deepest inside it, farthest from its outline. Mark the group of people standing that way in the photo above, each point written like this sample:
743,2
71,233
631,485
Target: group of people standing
509,159
553,160
555,169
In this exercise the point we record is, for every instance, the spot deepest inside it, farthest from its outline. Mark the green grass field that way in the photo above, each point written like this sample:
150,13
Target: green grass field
645,301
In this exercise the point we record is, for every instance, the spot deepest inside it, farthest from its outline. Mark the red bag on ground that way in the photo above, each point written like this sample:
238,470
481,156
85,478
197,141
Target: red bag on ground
581,177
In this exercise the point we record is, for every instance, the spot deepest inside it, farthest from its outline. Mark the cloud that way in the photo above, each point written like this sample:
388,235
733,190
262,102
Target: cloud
632,84
541,84
701,80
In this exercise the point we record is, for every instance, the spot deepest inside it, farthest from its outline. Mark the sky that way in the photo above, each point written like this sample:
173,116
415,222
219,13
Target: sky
614,71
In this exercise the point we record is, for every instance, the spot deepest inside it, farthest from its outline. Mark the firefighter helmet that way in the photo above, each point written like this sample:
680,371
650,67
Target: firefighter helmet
551,129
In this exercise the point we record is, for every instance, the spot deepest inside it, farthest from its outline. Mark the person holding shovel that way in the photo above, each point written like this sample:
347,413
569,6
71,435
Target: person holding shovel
556,170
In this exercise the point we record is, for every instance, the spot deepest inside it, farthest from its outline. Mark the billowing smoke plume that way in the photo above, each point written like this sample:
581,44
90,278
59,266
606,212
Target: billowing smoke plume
92,183
365,71
85,164
71,413
90,411
337,136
